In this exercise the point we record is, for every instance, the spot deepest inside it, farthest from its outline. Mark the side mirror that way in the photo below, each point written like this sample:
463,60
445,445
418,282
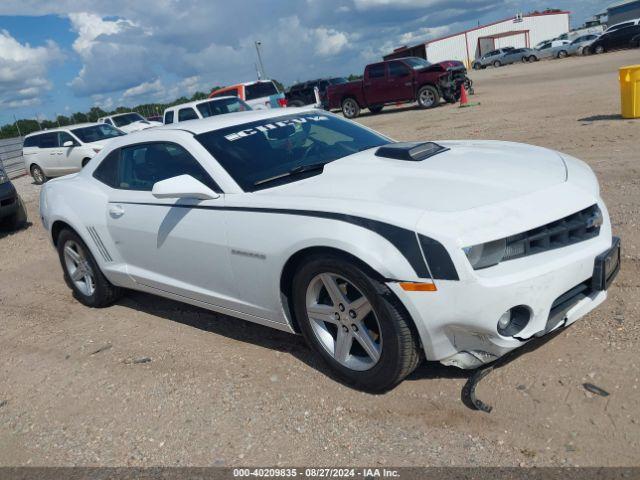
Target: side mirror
183,186
68,143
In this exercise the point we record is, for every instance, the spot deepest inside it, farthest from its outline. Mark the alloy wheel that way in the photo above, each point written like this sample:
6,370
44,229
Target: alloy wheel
349,108
37,174
344,321
79,269
427,98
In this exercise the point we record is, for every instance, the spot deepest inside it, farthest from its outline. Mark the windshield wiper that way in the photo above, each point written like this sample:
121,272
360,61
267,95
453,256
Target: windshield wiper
300,169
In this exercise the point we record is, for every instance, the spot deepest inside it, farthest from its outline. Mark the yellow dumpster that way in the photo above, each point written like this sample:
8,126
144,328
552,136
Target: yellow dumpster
630,91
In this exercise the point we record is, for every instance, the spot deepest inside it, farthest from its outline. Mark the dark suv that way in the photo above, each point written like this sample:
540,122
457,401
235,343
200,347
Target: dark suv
302,94
12,212
624,37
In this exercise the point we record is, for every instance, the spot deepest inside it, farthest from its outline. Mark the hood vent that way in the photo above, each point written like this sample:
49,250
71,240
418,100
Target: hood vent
411,151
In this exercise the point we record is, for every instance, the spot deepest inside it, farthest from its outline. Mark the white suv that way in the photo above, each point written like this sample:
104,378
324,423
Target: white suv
61,151
129,122
204,108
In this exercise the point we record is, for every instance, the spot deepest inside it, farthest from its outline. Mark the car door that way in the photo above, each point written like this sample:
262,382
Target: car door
375,84
49,154
70,160
177,246
400,83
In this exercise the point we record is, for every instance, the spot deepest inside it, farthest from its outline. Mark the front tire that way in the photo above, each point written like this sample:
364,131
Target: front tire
497,64
82,273
428,97
562,54
354,323
350,108
38,175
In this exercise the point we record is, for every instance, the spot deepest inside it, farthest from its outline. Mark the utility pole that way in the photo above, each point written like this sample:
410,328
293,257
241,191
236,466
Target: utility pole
17,126
258,45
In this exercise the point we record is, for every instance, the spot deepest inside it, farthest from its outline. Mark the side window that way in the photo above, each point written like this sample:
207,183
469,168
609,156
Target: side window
31,141
49,140
107,171
108,120
65,137
376,71
168,117
398,69
187,114
141,166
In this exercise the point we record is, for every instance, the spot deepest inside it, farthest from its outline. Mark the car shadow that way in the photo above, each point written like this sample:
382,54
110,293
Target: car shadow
259,335
601,118
6,232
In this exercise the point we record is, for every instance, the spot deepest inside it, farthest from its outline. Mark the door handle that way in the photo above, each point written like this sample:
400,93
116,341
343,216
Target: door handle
116,211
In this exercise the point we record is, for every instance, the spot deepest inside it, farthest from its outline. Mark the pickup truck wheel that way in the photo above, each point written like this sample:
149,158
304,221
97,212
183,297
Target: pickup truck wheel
428,97
350,108
376,108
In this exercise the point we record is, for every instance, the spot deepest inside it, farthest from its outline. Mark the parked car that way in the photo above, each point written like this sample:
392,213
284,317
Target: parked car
302,94
13,214
259,95
306,222
628,23
553,49
578,45
519,55
400,80
60,151
204,109
623,37
493,58
129,122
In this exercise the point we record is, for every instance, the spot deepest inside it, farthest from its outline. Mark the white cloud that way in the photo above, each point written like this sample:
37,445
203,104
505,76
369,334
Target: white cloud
329,41
404,4
23,71
144,89
423,34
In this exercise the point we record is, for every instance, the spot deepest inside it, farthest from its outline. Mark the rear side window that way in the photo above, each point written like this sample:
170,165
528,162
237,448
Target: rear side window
32,141
168,117
49,140
140,167
187,114
260,90
222,106
376,71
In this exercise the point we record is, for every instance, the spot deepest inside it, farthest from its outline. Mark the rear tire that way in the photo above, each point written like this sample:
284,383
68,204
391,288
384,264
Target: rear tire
350,108
38,175
428,97
82,273
381,346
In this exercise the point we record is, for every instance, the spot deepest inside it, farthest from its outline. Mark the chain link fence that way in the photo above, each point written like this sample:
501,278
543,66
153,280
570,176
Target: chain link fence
11,156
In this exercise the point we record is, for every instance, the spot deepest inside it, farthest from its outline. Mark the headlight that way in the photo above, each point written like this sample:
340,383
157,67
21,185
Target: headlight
486,254
3,177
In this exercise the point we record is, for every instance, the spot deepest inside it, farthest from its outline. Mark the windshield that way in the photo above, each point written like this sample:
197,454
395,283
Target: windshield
416,62
96,133
127,118
260,90
221,106
253,152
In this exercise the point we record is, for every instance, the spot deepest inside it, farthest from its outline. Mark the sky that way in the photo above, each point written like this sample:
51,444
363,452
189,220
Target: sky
64,56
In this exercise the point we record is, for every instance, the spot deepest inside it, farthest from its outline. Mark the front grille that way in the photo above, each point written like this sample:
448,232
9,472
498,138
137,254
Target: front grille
575,228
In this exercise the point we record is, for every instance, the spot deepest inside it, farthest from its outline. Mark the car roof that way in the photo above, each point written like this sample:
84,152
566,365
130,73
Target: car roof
120,114
63,128
217,122
198,102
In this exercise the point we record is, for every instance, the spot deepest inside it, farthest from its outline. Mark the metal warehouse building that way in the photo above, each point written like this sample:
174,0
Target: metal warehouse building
622,11
519,31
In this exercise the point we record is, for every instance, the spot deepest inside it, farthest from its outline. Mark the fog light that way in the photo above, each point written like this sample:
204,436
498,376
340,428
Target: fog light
513,321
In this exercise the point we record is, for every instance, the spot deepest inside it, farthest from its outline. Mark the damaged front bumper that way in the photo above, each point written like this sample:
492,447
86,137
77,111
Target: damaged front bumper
458,324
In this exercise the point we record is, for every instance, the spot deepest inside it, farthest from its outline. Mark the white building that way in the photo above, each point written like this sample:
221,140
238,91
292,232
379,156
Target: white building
519,31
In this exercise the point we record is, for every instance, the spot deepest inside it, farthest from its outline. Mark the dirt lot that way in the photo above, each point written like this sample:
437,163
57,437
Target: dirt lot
219,391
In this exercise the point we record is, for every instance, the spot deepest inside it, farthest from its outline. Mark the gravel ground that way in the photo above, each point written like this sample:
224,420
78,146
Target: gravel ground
76,389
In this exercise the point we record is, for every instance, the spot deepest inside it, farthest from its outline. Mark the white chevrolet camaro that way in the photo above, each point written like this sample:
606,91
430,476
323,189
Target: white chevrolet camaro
380,253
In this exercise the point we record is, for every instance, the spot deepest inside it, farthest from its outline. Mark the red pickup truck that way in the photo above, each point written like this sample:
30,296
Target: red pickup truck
400,80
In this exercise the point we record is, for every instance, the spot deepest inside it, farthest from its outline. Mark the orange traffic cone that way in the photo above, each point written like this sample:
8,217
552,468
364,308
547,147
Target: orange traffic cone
464,98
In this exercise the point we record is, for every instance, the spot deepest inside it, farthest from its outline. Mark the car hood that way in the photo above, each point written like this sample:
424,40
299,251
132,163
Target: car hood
140,125
468,175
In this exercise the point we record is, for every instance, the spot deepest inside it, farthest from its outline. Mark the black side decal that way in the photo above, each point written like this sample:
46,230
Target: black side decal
401,238
438,259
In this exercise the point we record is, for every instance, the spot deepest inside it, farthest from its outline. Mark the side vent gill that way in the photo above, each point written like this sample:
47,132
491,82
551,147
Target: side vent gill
410,151
98,241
